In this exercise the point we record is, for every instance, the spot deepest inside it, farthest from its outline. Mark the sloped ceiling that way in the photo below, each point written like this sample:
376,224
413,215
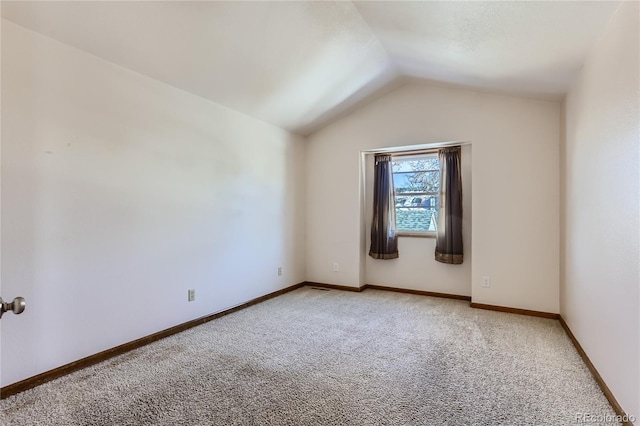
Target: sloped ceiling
299,65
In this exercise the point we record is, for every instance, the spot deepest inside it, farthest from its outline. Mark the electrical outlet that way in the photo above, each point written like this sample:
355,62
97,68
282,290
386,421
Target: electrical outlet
336,267
486,282
192,295
279,270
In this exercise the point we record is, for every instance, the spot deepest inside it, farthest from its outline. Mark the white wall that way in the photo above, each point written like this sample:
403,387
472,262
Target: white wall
515,176
120,193
600,285
416,267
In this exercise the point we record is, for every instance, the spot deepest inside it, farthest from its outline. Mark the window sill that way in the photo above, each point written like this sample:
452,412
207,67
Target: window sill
417,234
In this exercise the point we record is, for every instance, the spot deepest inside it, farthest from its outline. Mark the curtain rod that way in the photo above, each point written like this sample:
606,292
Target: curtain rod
409,150
414,152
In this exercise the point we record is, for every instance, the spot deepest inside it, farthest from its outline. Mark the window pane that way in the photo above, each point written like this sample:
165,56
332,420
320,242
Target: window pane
418,181
423,163
417,200
412,178
416,219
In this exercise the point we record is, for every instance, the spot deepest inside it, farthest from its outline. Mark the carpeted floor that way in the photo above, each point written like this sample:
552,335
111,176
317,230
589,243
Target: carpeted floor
313,357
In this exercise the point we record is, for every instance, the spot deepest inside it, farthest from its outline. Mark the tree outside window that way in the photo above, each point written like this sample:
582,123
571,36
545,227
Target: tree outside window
417,188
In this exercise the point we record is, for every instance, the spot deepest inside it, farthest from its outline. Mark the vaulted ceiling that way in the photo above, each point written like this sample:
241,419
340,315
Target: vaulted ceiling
299,65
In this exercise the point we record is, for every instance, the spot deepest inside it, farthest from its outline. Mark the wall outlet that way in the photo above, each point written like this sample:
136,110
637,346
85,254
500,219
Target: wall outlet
486,282
336,266
279,270
192,295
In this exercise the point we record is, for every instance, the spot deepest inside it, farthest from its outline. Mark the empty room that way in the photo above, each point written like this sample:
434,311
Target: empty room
320,213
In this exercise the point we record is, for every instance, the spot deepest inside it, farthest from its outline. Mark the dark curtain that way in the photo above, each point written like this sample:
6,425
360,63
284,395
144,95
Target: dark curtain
384,242
449,229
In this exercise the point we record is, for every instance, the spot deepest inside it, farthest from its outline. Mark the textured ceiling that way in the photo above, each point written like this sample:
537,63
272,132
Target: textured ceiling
521,47
299,65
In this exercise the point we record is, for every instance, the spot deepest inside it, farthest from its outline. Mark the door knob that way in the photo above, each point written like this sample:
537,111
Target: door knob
16,306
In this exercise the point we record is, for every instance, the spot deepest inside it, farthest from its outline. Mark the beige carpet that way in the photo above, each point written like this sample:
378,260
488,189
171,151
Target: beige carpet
313,357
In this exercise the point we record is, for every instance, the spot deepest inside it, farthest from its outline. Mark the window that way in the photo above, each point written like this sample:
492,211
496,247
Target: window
416,181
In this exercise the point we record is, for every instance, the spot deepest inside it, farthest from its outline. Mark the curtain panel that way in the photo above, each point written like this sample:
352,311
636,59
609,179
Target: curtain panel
449,229
384,241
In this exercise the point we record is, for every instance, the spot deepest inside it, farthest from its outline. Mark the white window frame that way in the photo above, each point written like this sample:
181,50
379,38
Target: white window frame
417,156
